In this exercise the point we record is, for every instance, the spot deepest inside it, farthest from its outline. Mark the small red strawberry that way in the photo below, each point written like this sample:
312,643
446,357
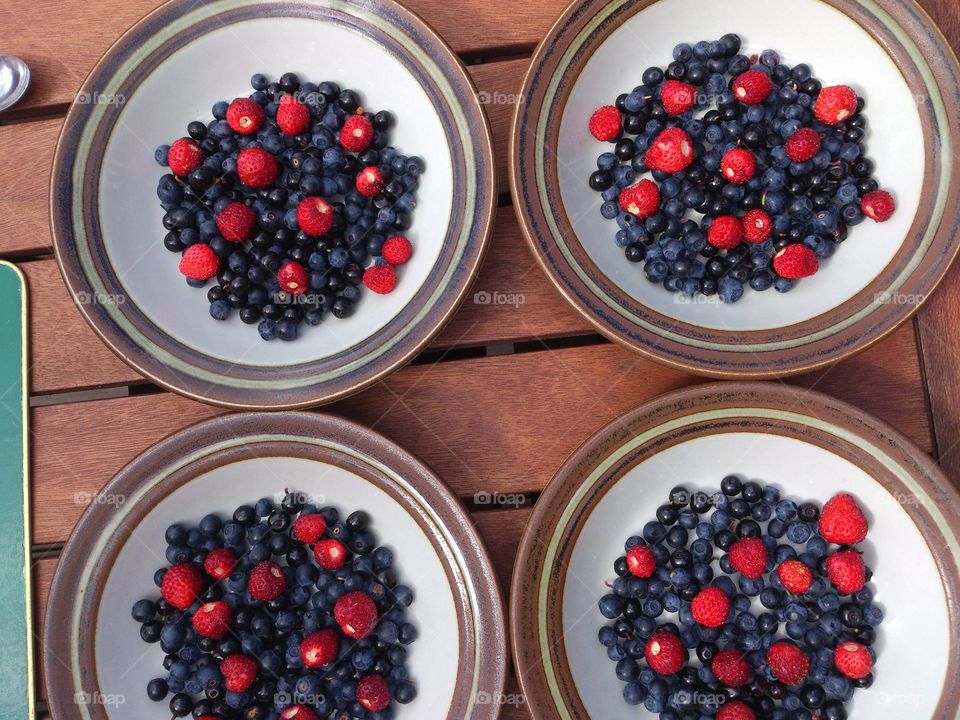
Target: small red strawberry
735,710
373,693
256,167
842,521
671,151
677,97
789,664
293,278
878,205
181,585
293,117
199,262
795,576
239,672
641,199
853,660
370,181
665,653
757,226
382,279
320,648
330,554
357,133
605,123
219,563
731,668
267,581
315,216
298,712
795,261
640,561
749,557
213,619
846,571
356,614
752,87
738,166
803,145
835,104
245,116
725,232
235,222
309,528
710,607
396,250
184,156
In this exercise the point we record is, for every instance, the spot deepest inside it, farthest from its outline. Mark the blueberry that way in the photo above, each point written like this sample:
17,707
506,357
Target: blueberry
144,610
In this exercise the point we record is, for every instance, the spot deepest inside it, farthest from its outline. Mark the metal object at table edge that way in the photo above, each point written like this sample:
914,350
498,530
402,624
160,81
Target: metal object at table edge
17,72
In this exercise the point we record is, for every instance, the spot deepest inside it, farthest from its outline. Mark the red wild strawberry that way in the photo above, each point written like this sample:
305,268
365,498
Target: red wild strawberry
853,660
735,710
803,145
213,619
357,133
846,571
199,262
299,712
382,279
749,557
671,151
373,693
330,554
181,585
356,614
835,104
757,226
641,199
752,87
677,97
795,576
184,156
267,581
370,181
245,116
235,222
239,672
219,563
293,117
315,216
738,165
605,123
842,521
665,653
320,648
731,668
795,261
293,278
640,561
878,205
789,664
256,167
710,607
396,250
725,232
309,528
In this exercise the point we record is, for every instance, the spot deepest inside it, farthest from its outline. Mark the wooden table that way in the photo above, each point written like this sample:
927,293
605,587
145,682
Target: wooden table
494,405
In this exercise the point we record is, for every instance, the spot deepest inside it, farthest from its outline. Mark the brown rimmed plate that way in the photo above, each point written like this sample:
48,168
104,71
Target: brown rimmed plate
97,667
889,51
810,446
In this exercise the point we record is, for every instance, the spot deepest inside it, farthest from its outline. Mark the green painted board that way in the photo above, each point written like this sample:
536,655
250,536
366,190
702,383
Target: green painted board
16,612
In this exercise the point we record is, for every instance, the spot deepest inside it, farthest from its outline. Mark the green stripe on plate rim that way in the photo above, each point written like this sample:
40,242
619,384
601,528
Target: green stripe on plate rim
946,160
118,518
707,416
83,153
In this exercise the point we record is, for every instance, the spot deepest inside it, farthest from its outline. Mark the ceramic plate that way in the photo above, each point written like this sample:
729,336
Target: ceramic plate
93,649
599,49
809,445
169,69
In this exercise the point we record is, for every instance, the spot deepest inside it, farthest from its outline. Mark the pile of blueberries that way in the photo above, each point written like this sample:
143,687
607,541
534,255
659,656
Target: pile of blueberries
813,202
271,632
690,539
